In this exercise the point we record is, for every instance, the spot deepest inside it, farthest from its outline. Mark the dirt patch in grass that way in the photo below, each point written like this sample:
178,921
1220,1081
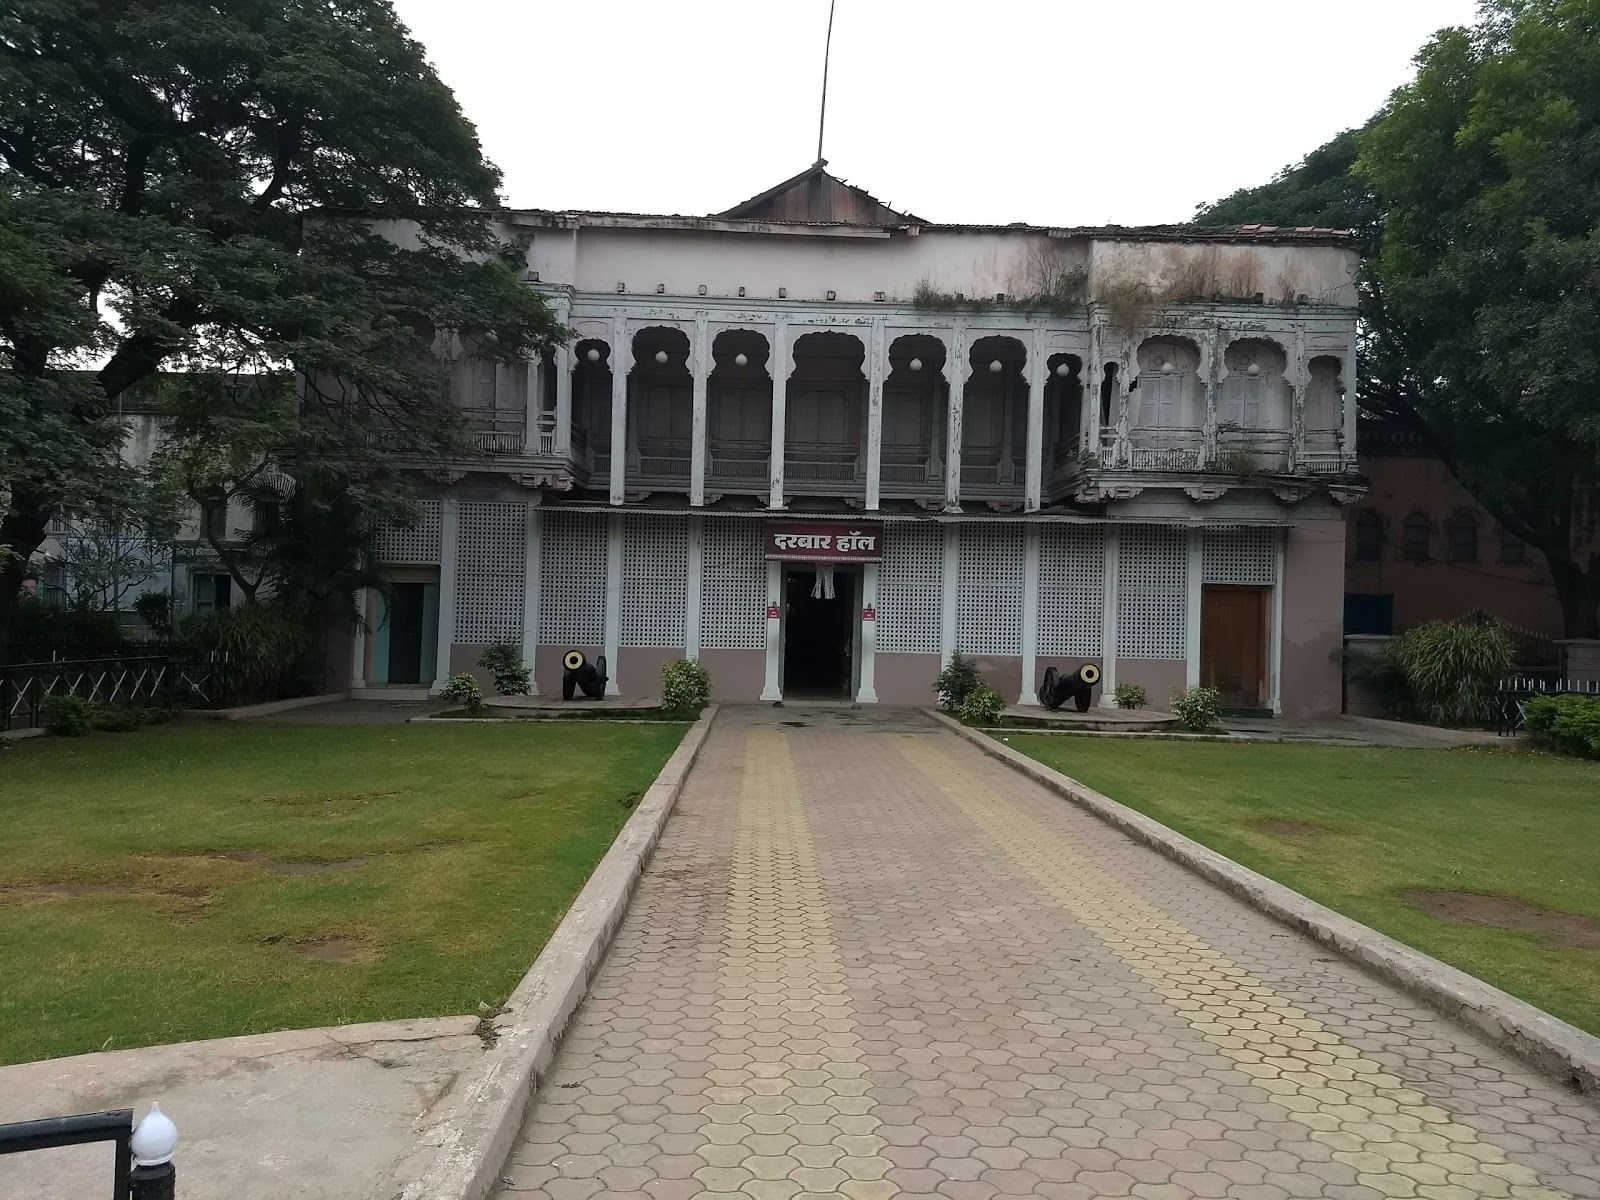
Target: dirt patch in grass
1286,827
1503,912
332,948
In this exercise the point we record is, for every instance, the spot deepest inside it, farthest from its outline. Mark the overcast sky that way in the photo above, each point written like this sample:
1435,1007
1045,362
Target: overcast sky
1046,111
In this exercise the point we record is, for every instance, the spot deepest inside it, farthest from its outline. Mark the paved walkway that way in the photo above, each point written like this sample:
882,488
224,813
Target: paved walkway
868,961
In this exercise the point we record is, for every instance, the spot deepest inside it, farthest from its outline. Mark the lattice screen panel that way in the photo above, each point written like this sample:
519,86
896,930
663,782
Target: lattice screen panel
655,565
910,582
572,579
733,595
415,547
989,600
1240,556
1072,589
491,546
1152,585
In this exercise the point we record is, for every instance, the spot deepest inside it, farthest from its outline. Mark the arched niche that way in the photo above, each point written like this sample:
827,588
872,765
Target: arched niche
1166,391
825,415
994,408
660,407
591,401
914,391
1254,393
739,410
1063,408
1324,402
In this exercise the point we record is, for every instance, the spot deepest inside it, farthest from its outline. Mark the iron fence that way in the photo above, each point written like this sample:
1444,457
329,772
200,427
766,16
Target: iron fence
152,1179
164,681
1507,703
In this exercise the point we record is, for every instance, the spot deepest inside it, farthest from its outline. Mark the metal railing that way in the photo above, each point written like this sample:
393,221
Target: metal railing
142,1165
1507,703
160,680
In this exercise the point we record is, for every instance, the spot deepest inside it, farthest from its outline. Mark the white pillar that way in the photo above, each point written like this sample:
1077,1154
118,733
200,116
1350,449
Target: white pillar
563,369
532,547
875,413
693,585
1191,626
1348,400
621,362
1108,621
449,552
772,689
866,690
1275,646
1038,376
700,365
779,366
1028,694
613,599
531,395
955,366
949,593
358,641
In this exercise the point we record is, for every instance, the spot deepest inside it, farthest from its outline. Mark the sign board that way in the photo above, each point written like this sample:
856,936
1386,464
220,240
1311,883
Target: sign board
825,541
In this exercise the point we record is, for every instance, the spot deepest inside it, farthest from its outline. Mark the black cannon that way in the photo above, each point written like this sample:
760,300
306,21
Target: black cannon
1057,688
582,675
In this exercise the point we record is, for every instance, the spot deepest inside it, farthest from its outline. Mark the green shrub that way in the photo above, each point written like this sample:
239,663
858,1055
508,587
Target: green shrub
464,690
1449,667
1570,724
125,718
685,687
1131,695
982,706
155,609
956,682
68,716
503,661
266,646
1197,708
36,620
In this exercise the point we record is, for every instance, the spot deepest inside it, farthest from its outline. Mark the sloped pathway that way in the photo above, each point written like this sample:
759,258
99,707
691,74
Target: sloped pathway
868,961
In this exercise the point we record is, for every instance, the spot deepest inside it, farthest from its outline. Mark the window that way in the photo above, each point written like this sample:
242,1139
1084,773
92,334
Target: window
1368,612
212,592
1414,538
1513,550
1462,546
1369,535
215,515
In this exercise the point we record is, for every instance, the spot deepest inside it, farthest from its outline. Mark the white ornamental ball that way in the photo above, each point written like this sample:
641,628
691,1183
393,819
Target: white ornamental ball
661,357
593,355
741,359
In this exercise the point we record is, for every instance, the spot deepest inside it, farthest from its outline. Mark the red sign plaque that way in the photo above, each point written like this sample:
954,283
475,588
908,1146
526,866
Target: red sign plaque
825,541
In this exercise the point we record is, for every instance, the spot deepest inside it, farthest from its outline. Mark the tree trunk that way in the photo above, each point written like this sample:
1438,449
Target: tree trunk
1579,591
22,532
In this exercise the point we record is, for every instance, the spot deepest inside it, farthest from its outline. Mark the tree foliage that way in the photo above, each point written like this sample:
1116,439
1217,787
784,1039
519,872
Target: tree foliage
174,178
1478,188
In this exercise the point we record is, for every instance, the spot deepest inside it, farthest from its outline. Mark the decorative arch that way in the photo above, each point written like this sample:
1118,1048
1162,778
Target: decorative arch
914,391
739,410
660,407
1166,392
1063,408
825,415
994,420
1254,393
1368,527
1324,402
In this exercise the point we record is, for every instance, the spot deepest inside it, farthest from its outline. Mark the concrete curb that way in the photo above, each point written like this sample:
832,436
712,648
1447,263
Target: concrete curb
1550,1044
245,712
1445,737
16,735
476,1135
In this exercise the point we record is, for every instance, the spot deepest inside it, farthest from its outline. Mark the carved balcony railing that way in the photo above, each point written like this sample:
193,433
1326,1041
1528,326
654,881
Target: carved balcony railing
739,464
910,476
823,469
496,431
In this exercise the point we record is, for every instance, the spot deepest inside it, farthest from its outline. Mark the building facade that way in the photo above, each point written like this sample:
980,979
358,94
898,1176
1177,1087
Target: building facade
824,446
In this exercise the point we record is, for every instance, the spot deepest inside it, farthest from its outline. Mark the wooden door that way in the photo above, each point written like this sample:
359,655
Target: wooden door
1233,644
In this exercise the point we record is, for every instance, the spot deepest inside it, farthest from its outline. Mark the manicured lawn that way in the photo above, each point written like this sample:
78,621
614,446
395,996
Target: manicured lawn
196,881
1364,830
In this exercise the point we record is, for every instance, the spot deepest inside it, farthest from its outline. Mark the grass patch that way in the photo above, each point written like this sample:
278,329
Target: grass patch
205,880
1371,832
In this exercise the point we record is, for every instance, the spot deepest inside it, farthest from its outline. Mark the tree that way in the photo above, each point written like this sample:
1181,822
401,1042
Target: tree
1481,306
174,178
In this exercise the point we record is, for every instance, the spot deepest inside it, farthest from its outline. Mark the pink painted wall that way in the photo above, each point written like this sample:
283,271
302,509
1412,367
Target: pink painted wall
737,676
639,671
1002,672
1313,619
905,679
464,657
1158,676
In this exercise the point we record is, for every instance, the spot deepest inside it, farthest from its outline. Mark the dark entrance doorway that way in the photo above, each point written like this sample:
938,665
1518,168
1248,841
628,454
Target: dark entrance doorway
406,622
818,635
1233,643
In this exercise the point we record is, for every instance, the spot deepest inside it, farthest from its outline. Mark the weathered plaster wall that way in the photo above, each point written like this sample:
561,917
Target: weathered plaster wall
1324,274
1313,616
1158,676
736,675
639,670
905,679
